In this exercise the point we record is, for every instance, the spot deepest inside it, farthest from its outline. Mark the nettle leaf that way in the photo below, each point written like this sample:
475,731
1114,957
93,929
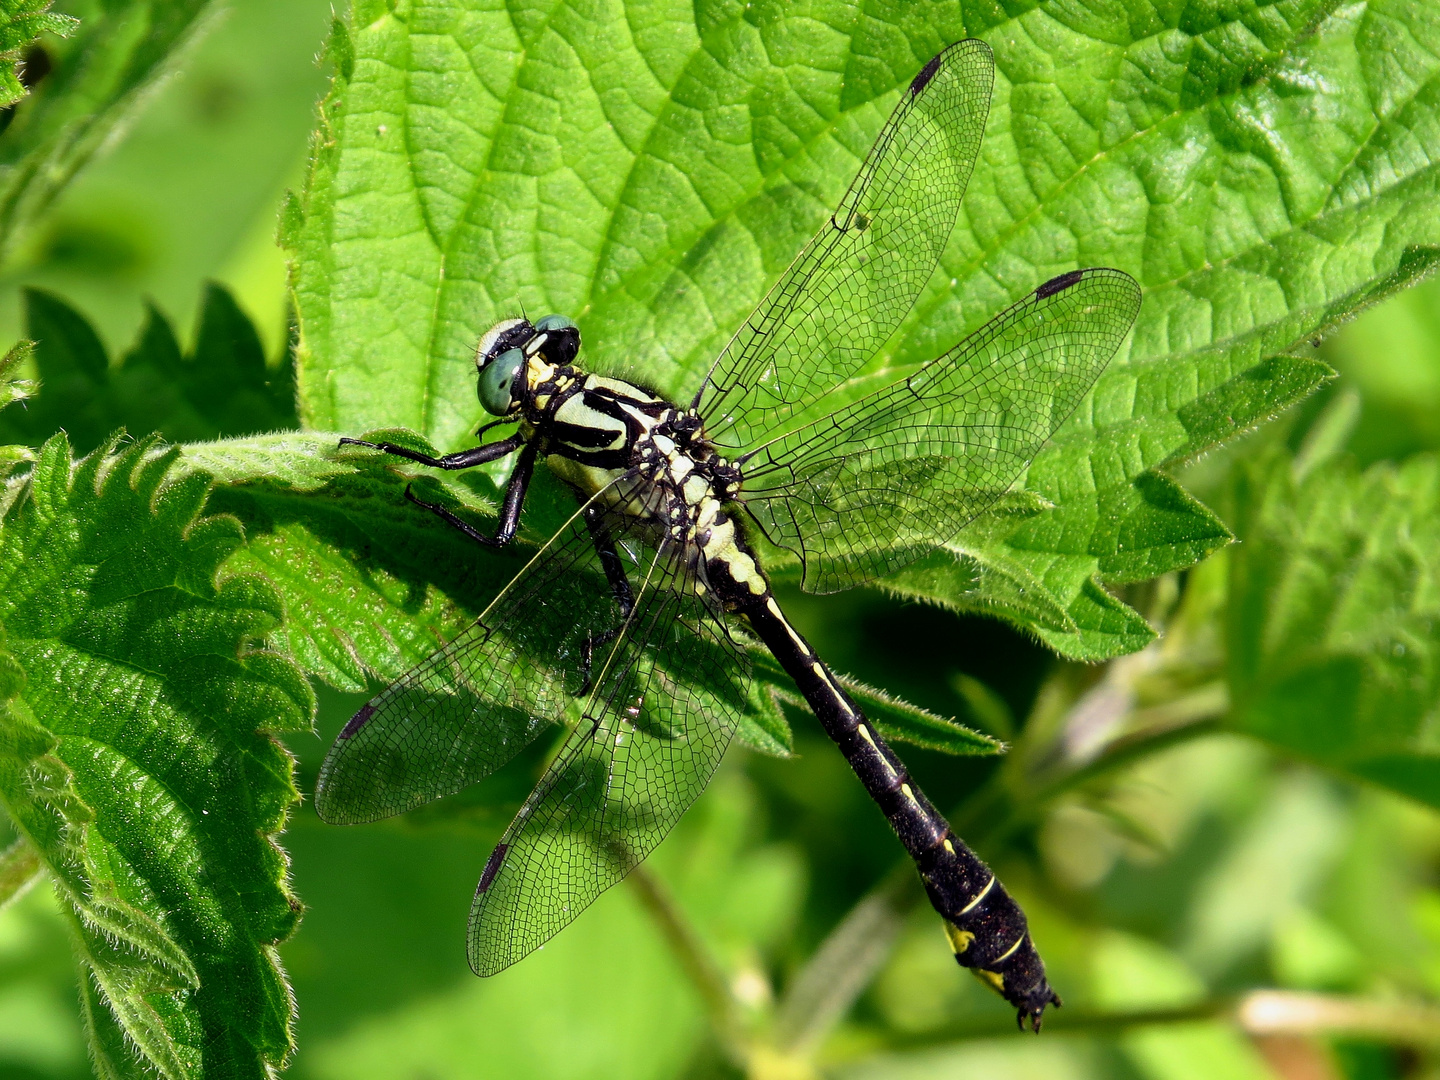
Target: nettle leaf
137,756
100,80
221,387
1263,171
1333,626
21,23
896,719
371,585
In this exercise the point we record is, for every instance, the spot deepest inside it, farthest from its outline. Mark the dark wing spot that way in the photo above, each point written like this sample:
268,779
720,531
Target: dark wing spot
927,73
358,721
1058,284
492,867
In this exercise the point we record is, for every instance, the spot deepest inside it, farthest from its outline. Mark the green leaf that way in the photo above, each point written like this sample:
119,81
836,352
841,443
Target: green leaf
1256,394
222,387
102,77
899,721
895,719
1105,627
21,23
764,726
1333,626
651,175
137,757
371,587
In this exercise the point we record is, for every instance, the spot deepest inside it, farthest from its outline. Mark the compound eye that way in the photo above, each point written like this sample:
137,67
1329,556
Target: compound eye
562,338
497,382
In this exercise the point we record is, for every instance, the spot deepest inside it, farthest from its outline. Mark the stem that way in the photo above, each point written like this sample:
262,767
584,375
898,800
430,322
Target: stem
1074,1020
1280,1012
1257,1013
699,965
20,867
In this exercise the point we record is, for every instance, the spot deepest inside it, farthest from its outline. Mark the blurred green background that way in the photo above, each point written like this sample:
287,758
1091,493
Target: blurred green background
1251,871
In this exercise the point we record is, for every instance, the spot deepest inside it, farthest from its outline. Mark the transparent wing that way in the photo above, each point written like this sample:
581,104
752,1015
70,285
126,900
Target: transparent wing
853,283
874,485
657,726
474,704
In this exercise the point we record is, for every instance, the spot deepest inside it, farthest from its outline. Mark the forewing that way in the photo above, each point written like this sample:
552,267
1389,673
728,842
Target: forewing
868,489
853,283
662,714
477,702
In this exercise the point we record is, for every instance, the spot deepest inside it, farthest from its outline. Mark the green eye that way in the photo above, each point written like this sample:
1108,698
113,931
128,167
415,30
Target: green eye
497,381
553,322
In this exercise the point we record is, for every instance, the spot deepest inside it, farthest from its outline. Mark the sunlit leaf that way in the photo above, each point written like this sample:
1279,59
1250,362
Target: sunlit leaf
470,163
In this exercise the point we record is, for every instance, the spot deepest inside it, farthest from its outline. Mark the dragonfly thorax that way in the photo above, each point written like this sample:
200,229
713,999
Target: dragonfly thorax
641,455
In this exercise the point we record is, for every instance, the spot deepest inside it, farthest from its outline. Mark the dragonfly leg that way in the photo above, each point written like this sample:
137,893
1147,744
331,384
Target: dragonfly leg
464,459
619,586
509,509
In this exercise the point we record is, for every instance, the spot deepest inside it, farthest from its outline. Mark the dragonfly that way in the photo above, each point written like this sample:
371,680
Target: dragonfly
635,621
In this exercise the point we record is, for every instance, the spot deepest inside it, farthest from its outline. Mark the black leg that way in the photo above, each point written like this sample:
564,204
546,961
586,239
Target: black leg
515,493
619,586
465,459
509,509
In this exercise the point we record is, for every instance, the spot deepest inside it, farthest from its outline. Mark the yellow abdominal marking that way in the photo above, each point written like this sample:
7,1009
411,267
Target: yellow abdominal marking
949,846
1011,951
994,979
980,895
908,793
796,638
959,939
819,669
721,540
865,734
721,547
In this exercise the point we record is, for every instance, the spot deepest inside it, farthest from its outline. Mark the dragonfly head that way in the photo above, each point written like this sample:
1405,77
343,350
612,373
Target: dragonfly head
502,355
